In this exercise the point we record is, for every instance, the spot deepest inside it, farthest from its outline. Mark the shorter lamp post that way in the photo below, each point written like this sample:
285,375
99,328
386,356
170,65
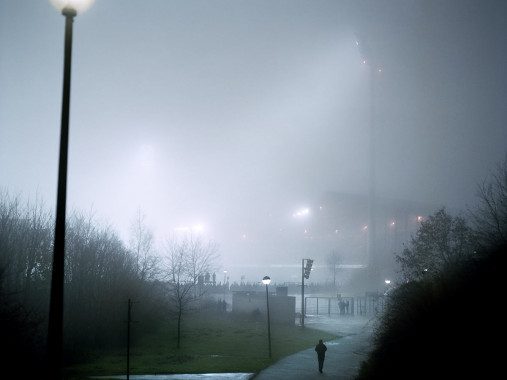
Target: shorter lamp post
388,283
386,293
266,280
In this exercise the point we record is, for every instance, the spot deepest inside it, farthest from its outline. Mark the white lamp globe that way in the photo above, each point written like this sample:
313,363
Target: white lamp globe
78,6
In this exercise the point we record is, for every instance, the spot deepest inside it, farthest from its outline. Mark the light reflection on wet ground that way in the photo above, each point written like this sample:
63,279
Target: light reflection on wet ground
213,376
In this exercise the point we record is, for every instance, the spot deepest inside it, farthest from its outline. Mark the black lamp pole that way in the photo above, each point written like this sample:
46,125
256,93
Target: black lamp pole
55,325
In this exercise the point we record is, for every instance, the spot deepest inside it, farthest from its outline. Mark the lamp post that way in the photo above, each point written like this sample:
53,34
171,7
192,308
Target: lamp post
386,292
266,280
69,8
388,283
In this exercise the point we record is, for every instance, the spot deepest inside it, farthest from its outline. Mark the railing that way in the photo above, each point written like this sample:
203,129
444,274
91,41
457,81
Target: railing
363,305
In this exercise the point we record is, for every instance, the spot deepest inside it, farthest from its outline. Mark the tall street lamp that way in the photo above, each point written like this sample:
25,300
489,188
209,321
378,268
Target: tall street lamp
266,280
69,8
366,58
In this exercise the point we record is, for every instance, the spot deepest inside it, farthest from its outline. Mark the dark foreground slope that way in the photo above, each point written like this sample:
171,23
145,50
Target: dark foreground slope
452,327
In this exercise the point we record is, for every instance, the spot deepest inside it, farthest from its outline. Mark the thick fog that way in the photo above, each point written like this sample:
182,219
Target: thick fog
235,115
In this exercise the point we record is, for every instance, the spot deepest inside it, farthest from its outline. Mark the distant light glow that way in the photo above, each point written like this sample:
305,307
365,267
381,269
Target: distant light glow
365,228
145,157
301,213
392,224
196,228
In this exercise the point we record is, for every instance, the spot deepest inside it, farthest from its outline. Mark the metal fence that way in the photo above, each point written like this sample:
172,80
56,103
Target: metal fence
364,305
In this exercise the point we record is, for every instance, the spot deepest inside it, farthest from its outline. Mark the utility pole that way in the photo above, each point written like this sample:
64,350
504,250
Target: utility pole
372,231
129,323
366,58
128,338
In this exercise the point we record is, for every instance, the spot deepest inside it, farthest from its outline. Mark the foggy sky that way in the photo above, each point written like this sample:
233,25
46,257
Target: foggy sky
224,113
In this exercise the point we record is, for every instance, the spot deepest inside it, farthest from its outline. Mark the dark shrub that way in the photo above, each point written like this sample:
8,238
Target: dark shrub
449,327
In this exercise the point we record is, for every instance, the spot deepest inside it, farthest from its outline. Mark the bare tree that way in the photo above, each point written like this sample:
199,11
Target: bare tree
490,216
187,260
25,246
201,258
101,274
180,286
141,245
100,278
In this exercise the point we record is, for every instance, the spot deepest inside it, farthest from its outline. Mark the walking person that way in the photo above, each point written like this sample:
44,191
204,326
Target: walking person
321,353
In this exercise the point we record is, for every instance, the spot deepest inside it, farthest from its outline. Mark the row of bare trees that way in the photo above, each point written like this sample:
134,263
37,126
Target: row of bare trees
101,274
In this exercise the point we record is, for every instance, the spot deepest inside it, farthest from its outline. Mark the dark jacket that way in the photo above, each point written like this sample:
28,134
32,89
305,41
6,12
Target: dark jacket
321,349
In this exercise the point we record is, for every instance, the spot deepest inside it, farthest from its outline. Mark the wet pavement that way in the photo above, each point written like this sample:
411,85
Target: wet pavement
211,376
343,357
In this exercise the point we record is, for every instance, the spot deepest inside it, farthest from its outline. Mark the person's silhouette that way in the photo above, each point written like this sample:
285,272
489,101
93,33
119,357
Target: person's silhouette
321,354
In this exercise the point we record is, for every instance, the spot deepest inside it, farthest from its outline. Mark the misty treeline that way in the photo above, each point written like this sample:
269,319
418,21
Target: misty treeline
443,240
101,274
445,319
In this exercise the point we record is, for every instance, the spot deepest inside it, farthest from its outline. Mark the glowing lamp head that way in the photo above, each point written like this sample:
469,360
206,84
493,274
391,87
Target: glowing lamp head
72,6
266,280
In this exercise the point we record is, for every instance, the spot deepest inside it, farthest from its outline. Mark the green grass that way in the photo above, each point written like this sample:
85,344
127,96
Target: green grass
210,345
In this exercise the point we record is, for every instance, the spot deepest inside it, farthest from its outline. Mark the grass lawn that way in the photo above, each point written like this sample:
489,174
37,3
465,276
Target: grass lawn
211,344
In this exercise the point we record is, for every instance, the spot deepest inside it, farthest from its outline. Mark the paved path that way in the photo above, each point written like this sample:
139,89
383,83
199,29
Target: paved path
343,356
